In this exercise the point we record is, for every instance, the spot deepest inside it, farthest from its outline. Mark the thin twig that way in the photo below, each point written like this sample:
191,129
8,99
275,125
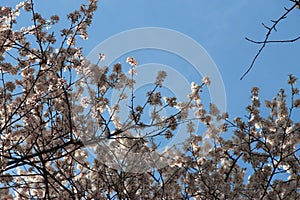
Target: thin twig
273,41
266,40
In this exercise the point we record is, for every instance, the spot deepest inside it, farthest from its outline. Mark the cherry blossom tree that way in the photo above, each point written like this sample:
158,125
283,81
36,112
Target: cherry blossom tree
61,137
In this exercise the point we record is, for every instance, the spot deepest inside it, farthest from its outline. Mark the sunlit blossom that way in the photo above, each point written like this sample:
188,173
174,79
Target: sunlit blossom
132,61
101,56
206,80
84,102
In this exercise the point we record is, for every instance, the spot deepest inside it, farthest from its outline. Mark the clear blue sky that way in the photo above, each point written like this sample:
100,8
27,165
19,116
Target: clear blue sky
220,27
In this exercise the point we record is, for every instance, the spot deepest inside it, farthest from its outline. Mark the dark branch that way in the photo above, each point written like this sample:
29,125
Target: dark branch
266,40
273,41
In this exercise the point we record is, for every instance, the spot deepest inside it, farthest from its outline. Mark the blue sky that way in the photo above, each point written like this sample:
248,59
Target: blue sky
220,27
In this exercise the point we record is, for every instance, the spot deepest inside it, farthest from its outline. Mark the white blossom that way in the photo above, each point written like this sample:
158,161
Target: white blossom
206,80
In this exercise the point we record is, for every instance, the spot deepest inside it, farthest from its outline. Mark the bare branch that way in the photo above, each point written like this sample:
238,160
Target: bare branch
270,29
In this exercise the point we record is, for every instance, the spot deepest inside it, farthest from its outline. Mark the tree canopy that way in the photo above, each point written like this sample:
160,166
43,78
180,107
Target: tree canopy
61,137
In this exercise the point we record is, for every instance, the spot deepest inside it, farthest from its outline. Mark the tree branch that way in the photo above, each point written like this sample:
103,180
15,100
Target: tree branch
266,40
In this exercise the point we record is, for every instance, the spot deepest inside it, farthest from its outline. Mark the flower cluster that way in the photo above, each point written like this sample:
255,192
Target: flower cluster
132,61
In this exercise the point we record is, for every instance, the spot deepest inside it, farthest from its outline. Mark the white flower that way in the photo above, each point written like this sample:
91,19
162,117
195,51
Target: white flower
213,110
132,61
84,102
206,80
71,41
84,36
195,89
101,56
194,86
161,75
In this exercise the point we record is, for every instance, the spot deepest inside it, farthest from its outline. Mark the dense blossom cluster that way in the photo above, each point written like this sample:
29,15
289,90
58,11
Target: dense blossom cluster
50,121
